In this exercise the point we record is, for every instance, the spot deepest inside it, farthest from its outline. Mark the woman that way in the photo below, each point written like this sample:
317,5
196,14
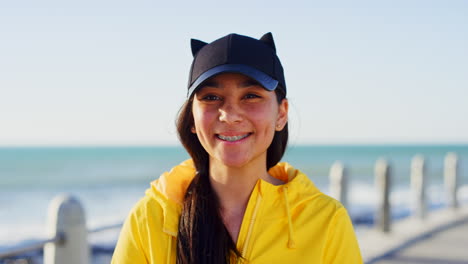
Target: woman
233,202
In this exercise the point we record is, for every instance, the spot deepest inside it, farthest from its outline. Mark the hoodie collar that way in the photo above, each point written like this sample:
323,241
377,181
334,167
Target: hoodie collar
169,190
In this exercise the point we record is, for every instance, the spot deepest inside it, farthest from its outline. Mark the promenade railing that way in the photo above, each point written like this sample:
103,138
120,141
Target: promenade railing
66,227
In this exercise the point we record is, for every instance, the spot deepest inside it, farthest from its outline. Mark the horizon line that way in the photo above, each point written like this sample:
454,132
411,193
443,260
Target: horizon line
304,144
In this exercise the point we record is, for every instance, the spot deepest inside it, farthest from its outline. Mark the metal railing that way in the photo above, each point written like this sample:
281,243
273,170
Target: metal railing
383,180
69,236
36,245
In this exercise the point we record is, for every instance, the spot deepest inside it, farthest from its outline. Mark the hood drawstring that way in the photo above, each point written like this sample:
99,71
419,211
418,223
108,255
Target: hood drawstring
291,243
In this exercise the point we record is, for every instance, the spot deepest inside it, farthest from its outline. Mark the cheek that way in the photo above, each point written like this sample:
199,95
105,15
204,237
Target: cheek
265,115
202,119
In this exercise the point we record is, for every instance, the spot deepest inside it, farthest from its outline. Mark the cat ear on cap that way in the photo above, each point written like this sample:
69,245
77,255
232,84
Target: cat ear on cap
268,39
196,45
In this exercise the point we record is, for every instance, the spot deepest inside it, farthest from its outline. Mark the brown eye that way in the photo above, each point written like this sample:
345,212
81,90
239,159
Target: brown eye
210,97
252,96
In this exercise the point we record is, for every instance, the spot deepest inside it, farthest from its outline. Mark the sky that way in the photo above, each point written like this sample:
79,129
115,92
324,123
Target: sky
107,72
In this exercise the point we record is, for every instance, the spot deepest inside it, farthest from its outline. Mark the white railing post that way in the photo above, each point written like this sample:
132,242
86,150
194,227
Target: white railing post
418,186
339,183
383,182
450,179
66,218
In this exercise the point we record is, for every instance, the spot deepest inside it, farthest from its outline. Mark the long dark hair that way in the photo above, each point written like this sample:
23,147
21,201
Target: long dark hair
202,236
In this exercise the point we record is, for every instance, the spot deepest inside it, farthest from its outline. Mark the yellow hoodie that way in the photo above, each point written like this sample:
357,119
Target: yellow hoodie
289,223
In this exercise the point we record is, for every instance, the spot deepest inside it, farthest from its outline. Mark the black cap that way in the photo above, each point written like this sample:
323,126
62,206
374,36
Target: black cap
236,53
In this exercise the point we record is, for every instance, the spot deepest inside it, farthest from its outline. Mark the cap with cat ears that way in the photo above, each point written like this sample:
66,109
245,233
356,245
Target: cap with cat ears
240,54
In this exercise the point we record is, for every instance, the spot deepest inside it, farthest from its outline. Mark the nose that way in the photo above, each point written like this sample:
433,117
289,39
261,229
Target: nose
230,113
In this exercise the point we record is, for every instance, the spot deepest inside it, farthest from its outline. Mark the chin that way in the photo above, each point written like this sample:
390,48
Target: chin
239,162
234,163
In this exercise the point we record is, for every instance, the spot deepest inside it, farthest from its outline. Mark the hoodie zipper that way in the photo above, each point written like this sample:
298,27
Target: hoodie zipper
249,232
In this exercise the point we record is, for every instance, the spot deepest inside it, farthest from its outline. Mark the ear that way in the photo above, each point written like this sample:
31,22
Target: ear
193,130
268,39
282,118
196,45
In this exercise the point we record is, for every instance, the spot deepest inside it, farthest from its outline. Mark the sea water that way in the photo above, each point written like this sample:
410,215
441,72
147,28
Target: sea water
110,180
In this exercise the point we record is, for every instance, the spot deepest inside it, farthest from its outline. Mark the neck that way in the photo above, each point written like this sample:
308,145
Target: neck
233,185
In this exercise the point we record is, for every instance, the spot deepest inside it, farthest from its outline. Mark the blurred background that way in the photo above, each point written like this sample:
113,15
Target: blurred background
89,91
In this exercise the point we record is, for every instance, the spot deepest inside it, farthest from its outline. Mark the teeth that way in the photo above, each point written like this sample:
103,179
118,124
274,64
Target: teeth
231,139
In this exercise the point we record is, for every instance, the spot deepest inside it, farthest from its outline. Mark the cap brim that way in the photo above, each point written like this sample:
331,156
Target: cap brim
264,79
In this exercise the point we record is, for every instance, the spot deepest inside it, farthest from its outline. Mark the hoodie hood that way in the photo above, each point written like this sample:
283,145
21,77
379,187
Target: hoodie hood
169,190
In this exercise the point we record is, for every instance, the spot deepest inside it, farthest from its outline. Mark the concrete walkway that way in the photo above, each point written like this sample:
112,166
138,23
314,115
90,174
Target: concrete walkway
445,247
441,238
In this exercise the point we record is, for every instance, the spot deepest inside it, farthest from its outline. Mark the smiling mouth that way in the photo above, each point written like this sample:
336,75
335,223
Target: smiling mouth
233,138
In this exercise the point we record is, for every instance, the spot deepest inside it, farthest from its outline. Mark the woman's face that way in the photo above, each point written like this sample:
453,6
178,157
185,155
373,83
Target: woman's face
236,118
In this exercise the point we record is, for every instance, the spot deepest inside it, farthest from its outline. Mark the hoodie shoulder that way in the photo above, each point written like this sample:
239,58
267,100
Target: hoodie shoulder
302,190
172,185
165,196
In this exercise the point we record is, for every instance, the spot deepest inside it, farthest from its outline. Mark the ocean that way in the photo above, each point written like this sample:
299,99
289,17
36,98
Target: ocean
109,180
